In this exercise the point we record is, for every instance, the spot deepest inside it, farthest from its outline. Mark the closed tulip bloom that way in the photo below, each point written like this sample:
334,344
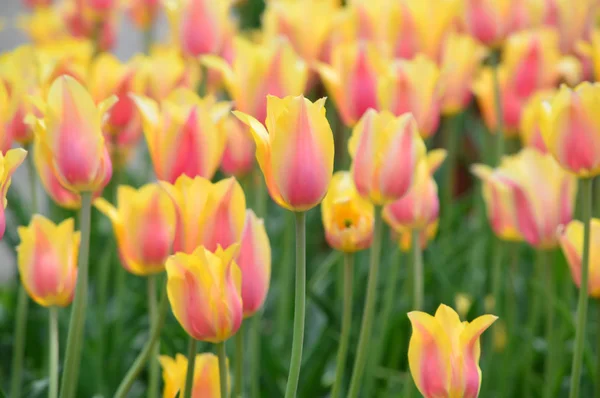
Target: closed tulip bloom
165,70
421,205
143,12
347,216
47,258
487,20
352,78
443,353
238,158
207,214
8,164
571,128
206,376
258,70
572,20
461,58
385,153
71,137
254,261
295,150
531,121
183,134
204,289
571,242
414,86
144,226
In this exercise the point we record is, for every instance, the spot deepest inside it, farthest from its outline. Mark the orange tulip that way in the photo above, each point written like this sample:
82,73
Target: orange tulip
206,376
8,164
47,257
238,158
571,242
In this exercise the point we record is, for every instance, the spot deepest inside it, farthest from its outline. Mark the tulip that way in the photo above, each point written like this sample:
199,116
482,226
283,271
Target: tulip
165,70
352,79
37,3
463,303
385,151
347,217
183,136
238,158
93,19
207,214
295,150
71,138
206,375
571,129
204,290
404,236
443,353
573,21
8,164
531,121
143,12
414,86
47,257
6,133
258,70
254,261
143,222
461,57
571,243
199,26
487,20
43,25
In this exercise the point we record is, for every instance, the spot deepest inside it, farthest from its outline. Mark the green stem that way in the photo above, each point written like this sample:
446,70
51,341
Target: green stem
417,263
597,384
498,250
19,350
299,306
346,326
148,349
103,271
222,369
499,138
255,346
53,324
239,362
148,38
78,309
451,136
260,194
550,293
285,279
532,326
586,212
191,361
370,300
153,314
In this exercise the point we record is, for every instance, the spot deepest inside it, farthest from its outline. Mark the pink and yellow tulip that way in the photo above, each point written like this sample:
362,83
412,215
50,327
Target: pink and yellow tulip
204,289
144,226
47,258
531,121
165,70
403,236
206,376
347,217
489,21
295,150
443,353
183,134
238,158
8,164
385,153
571,242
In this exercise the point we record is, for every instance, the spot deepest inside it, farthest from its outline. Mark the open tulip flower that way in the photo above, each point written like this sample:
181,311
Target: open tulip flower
347,216
206,376
259,69
531,121
443,353
571,242
207,214
183,134
385,152
571,128
294,151
143,222
205,292
8,164
47,258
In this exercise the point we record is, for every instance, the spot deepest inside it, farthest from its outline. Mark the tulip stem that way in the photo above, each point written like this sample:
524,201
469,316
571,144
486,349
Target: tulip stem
148,349
19,351
223,369
586,213
239,361
285,278
299,306
53,324
532,325
451,135
255,345
597,384
364,338
153,314
346,326
550,292
191,364
499,138
148,38
78,310
417,263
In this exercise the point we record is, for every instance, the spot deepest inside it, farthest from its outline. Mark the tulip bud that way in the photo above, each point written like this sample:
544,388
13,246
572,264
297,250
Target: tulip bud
47,258
71,137
206,376
414,86
571,242
443,353
143,222
385,151
238,158
204,290
183,136
531,120
487,20
165,70
143,12
8,164
571,128
43,25
463,303
296,153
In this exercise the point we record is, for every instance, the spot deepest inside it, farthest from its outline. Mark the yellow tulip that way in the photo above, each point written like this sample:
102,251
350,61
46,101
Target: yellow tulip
443,353
531,120
47,258
571,242
206,376
8,164
295,151
42,25
204,289
347,217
